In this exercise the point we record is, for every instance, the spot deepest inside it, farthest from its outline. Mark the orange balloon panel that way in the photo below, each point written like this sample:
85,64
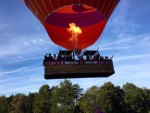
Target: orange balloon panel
73,24
88,19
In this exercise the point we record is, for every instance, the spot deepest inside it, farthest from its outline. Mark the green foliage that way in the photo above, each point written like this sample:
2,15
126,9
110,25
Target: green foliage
3,105
146,93
89,99
64,97
29,102
135,99
18,104
69,98
42,100
9,99
111,98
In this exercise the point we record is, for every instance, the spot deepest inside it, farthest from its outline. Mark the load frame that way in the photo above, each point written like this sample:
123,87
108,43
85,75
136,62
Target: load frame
77,64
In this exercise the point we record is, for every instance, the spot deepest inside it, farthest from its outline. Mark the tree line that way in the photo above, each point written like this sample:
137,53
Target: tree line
70,98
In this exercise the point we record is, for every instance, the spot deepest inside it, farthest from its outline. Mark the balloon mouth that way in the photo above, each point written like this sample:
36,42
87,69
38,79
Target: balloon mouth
81,15
75,26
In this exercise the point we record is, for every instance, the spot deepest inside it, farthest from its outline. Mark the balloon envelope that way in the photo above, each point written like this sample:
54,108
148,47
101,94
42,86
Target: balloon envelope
90,16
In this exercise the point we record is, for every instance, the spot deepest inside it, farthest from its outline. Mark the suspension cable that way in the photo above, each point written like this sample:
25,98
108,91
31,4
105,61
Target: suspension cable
114,3
51,5
107,7
103,5
45,6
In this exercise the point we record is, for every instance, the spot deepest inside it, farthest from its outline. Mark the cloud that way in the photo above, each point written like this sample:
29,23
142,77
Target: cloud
24,45
13,71
124,20
133,72
8,80
2,73
131,57
122,30
29,83
20,59
128,42
25,89
120,41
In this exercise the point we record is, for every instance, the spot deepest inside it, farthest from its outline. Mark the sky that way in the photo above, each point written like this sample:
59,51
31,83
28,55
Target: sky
24,42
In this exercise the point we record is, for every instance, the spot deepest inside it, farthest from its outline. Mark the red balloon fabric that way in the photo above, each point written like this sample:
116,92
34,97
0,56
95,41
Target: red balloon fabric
88,18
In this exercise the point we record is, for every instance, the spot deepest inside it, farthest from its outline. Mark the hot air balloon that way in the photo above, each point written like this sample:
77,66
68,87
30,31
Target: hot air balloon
74,25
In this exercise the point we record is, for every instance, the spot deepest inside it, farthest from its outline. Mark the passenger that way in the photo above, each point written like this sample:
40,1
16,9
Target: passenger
46,57
80,56
50,57
87,57
101,58
69,57
60,57
90,57
106,57
44,60
64,57
96,57
55,57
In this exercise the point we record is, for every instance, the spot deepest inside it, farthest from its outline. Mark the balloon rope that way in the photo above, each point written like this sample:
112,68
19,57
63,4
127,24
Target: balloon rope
39,7
107,7
51,5
58,3
103,5
98,3
36,12
65,2
91,2
45,7
32,8
112,8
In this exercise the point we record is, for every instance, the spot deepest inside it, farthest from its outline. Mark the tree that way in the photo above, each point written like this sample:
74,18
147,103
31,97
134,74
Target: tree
18,104
64,97
135,99
69,98
111,98
42,100
89,99
3,105
29,102
108,97
146,93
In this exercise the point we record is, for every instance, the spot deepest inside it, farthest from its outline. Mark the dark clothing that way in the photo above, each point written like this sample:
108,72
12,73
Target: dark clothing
50,57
